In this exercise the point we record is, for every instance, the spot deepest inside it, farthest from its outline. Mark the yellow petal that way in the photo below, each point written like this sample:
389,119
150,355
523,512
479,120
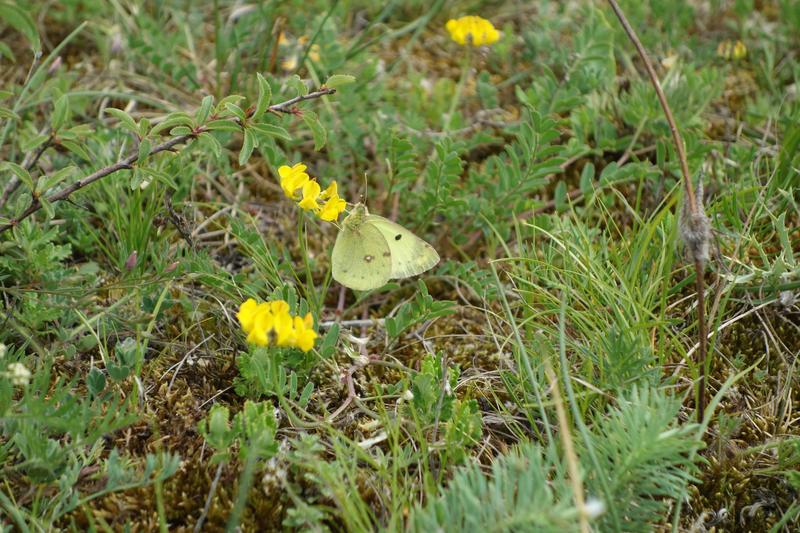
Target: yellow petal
279,307
305,339
246,314
284,330
332,209
472,30
331,191
293,178
311,191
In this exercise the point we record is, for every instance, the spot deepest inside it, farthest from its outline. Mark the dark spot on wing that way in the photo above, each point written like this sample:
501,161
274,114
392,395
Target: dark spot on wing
397,237
368,258
387,254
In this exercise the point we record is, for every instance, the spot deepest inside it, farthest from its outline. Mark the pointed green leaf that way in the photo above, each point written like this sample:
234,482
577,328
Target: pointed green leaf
298,85
271,129
247,147
264,96
560,195
6,112
77,149
125,119
48,208
21,174
204,110
48,182
223,125
337,80
144,150
60,113
21,21
207,140
317,130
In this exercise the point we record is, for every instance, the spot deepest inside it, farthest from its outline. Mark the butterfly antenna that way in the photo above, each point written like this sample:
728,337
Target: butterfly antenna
366,188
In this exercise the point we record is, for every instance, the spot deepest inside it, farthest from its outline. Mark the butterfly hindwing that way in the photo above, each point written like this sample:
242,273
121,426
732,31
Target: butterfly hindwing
410,255
361,258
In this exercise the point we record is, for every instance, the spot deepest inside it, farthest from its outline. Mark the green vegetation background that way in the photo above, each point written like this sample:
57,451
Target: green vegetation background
555,337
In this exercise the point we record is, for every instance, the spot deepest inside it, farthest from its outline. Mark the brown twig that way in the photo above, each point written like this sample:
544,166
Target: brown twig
694,225
130,160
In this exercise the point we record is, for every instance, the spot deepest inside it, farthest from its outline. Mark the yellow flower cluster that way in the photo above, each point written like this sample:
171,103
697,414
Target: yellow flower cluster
295,179
271,322
731,51
472,30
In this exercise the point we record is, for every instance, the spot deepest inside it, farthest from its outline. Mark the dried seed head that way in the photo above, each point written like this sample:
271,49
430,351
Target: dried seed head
695,228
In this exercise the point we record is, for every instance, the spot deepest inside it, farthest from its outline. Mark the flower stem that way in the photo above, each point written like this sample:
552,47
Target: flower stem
465,68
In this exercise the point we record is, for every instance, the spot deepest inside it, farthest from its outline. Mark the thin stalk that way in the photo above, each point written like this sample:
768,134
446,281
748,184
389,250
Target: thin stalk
697,231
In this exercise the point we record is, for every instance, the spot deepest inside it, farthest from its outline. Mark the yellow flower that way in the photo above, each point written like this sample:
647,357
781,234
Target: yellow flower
293,178
731,51
332,209
304,335
278,306
246,314
262,325
271,323
284,330
472,30
311,191
331,191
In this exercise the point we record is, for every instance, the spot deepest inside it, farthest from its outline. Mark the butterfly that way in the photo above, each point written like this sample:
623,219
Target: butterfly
370,250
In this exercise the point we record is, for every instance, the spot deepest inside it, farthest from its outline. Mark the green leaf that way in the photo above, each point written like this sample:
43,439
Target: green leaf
207,140
223,125
118,372
317,130
236,110
125,119
587,175
47,207
230,99
560,195
144,150
298,85
271,129
337,80
21,21
264,96
22,174
60,113
48,182
8,113
31,144
247,147
305,396
180,130
77,149
144,127
95,381
204,110
5,51
178,118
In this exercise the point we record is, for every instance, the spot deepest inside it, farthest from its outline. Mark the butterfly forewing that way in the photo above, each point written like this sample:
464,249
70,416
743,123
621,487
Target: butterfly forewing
410,255
361,259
